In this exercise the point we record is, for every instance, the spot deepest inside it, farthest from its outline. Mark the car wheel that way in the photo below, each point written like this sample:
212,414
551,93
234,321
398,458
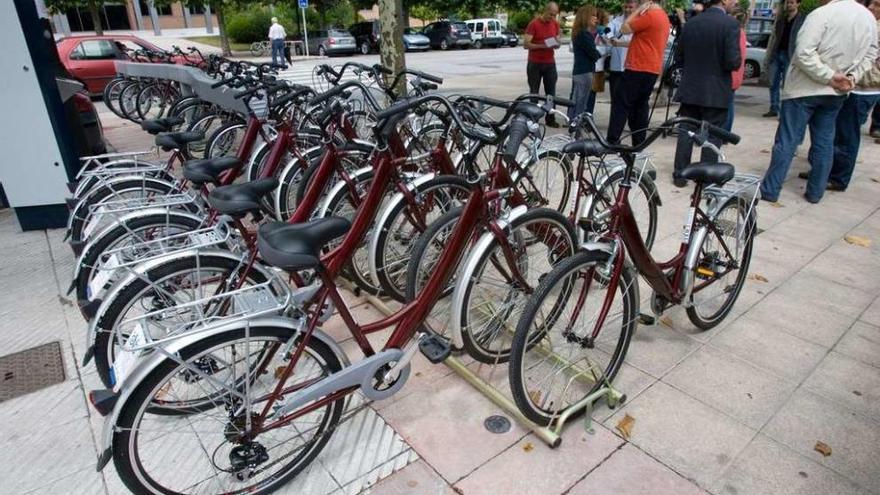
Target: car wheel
322,51
365,49
752,69
478,44
444,45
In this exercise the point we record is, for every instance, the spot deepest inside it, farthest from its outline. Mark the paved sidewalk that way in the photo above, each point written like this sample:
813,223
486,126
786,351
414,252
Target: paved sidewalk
736,410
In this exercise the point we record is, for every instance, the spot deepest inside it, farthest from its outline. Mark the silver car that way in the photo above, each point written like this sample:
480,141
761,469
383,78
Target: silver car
325,42
414,40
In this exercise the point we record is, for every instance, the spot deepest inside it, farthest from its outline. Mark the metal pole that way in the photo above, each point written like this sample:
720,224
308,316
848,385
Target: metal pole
187,21
154,18
208,27
138,15
305,32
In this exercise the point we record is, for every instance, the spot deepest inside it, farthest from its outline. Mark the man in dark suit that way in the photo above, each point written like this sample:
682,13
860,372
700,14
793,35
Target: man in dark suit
708,53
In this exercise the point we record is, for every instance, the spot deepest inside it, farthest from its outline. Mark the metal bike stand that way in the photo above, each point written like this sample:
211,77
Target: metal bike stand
550,435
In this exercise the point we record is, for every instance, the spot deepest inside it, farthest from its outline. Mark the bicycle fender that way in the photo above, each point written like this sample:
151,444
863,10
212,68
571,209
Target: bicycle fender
309,154
148,363
383,217
467,268
691,259
325,202
78,211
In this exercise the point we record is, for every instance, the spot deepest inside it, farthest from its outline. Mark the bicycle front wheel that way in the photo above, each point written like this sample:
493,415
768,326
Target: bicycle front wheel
555,360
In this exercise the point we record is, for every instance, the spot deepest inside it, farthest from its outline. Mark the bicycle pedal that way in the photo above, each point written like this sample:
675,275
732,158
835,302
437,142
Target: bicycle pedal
647,319
435,348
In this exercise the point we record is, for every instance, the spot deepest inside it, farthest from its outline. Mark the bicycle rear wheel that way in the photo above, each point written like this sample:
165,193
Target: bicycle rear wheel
554,361
723,263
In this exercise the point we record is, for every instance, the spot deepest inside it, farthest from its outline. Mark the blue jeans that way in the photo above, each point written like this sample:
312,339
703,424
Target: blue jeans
778,68
819,113
581,89
848,135
278,52
875,118
591,101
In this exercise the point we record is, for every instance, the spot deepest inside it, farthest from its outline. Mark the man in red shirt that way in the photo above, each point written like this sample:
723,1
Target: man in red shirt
649,25
540,39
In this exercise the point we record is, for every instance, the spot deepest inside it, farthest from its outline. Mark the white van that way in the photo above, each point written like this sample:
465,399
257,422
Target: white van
486,32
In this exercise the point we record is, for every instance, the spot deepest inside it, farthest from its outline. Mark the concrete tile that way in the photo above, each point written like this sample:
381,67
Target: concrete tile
656,349
861,342
872,314
731,385
853,438
450,409
783,354
630,381
85,482
418,477
56,405
531,467
848,382
849,264
766,467
686,435
629,471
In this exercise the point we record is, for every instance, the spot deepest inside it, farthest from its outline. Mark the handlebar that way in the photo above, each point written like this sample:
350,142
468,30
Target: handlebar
386,116
722,134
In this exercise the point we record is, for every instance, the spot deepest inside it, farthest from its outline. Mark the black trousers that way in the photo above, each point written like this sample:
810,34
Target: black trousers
542,72
614,78
631,105
685,146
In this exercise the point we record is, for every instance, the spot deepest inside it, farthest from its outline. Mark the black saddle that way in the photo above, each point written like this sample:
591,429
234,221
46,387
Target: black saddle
163,124
298,246
177,140
585,147
240,199
201,172
706,173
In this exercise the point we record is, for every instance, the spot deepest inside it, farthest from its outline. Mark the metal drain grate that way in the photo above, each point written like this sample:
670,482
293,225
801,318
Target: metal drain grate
31,370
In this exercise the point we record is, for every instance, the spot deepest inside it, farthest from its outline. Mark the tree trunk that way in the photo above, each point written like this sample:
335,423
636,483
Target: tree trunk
221,24
391,47
96,17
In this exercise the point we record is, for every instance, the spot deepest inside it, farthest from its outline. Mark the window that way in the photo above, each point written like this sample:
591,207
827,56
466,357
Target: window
493,26
160,9
479,27
95,50
197,9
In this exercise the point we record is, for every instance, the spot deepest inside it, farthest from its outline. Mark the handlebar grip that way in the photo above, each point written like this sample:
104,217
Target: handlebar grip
427,77
519,130
563,101
723,134
398,107
382,69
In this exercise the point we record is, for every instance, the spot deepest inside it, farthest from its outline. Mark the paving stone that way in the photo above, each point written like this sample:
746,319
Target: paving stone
656,349
808,418
418,477
872,314
450,409
849,382
731,384
629,471
85,482
849,264
861,342
781,353
767,467
531,467
690,437
630,381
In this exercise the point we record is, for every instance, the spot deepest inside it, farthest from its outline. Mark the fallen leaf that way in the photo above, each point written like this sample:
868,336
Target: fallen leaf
765,150
823,448
418,373
535,395
875,179
624,426
528,447
758,277
279,371
857,393
412,483
857,240
776,204
666,321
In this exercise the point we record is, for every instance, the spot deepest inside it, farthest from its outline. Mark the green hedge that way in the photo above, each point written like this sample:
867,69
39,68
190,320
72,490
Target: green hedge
247,27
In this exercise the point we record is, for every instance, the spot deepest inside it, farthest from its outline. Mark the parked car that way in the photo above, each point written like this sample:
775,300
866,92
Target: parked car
414,40
328,42
448,34
754,60
486,32
82,117
512,38
366,36
90,59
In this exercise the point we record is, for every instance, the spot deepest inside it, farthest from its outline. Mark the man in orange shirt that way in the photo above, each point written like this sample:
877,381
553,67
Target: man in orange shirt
541,39
649,26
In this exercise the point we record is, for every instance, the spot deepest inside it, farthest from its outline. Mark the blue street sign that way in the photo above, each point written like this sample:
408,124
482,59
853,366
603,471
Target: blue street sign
763,12
303,4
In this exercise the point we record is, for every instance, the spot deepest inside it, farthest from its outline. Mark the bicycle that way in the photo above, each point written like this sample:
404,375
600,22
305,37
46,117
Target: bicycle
585,311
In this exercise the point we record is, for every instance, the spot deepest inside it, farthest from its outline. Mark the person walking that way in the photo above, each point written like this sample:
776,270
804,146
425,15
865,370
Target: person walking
619,43
649,26
583,43
836,46
778,53
276,38
541,39
709,52
854,114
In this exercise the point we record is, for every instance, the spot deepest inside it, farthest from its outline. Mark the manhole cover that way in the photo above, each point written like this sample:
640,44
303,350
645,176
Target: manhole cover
28,371
497,424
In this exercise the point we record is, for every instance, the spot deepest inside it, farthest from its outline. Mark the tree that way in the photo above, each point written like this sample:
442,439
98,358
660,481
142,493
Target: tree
424,12
61,6
220,8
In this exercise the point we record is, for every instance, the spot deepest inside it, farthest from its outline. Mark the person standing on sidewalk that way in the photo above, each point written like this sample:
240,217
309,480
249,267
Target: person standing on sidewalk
708,54
853,114
649,26
619,43
541,39
583,34
779,52
738,74
276,38
875,124
836,46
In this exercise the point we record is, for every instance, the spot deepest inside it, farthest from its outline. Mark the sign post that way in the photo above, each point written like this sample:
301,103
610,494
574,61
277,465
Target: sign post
303,5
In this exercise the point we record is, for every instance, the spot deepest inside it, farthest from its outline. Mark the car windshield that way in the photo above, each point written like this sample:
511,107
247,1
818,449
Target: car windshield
339,33
459,25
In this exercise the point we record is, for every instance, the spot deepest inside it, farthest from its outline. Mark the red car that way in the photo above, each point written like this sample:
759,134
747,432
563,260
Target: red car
90,59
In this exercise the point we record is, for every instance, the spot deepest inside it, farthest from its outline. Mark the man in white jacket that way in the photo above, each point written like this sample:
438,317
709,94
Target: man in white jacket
836,46
276,37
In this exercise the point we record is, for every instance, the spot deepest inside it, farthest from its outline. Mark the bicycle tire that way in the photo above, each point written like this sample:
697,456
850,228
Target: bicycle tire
128,101
110,95
607,195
